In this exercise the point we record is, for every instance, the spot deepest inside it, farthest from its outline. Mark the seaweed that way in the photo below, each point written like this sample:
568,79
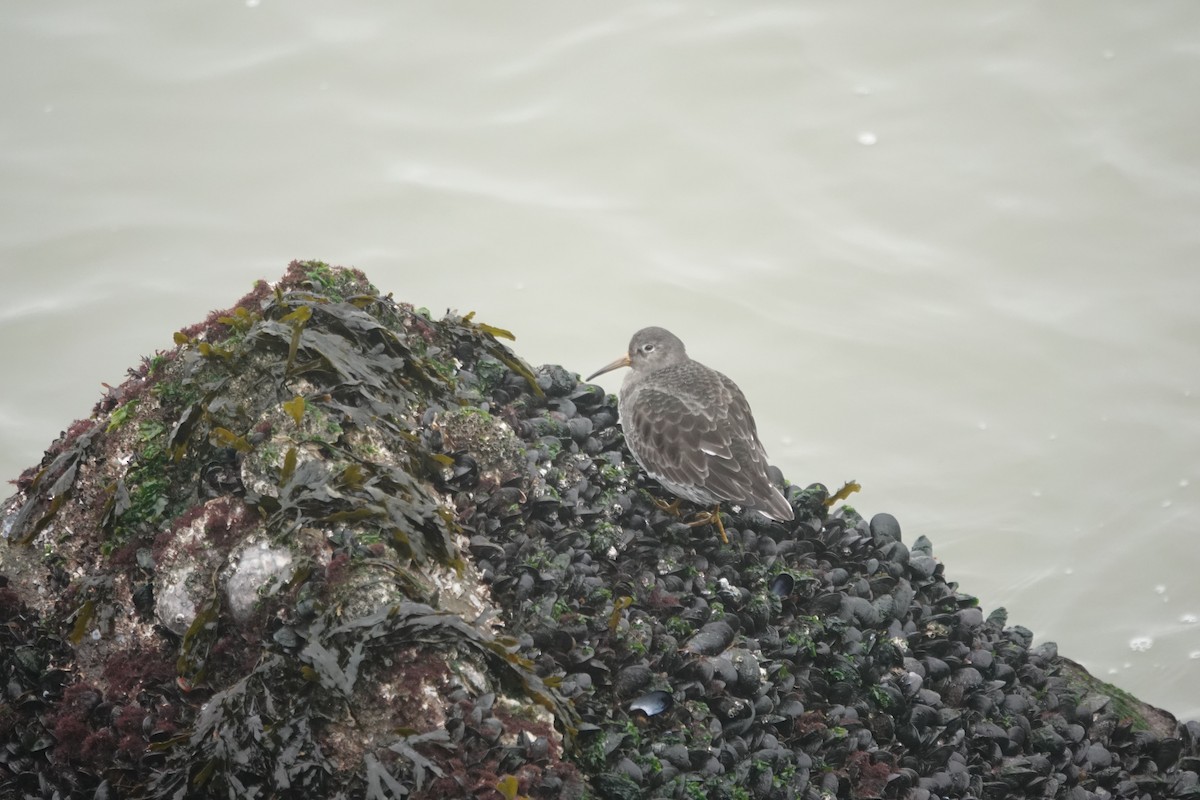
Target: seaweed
62,471
263,735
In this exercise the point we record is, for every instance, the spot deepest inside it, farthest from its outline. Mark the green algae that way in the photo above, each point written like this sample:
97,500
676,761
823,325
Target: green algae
121,415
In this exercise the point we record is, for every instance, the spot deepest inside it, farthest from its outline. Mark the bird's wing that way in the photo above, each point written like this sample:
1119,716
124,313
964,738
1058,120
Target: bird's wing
752,456
712,445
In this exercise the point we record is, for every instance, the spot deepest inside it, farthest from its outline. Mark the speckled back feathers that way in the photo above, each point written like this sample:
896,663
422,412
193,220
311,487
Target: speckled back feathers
691,429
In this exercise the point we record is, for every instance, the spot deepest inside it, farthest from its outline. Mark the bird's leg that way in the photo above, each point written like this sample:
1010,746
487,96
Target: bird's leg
713,517
850,487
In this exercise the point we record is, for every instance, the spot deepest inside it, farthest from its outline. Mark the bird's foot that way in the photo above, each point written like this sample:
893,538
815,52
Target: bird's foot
671,508
710,517
849,488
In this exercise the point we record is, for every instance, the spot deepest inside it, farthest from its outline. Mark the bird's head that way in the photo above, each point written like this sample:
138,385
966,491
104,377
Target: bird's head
649,349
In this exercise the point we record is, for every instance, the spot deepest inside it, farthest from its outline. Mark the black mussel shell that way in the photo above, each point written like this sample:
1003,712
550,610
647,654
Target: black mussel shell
782,584
711,639
653,703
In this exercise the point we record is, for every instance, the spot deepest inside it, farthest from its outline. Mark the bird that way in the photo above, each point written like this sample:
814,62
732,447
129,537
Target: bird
690,428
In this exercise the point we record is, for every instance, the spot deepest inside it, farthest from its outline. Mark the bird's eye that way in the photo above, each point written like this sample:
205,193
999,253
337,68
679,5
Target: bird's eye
647,348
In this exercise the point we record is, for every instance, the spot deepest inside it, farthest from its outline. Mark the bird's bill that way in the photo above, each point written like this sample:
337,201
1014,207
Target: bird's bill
623,361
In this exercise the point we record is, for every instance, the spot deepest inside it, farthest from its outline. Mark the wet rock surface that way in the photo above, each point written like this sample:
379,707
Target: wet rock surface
329,547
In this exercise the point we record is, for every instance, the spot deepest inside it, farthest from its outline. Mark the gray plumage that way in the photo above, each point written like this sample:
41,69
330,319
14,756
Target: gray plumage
691,429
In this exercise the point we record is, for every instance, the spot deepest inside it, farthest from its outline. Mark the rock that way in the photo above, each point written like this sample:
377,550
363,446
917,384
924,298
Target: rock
363,549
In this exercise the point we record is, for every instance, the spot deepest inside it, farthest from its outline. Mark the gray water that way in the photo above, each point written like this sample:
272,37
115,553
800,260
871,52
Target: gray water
948,250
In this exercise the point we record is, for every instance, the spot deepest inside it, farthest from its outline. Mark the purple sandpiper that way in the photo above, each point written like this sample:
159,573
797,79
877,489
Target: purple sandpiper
691,429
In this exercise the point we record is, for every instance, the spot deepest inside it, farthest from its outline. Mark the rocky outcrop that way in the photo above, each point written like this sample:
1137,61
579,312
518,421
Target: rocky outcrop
327,546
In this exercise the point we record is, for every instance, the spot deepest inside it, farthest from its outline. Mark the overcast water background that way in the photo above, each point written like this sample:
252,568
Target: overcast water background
948,250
